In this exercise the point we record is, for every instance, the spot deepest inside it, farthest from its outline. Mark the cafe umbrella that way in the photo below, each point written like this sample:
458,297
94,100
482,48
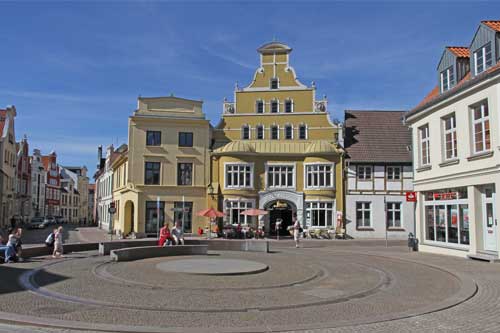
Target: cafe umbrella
212,214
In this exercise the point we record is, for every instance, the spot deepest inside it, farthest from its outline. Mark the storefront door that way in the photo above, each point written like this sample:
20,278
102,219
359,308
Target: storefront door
490,221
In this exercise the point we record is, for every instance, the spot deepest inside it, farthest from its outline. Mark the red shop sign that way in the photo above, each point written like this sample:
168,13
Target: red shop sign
411,196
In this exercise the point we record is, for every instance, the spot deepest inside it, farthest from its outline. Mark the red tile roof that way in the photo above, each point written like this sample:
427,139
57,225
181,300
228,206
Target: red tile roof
495,25
459,51
377,137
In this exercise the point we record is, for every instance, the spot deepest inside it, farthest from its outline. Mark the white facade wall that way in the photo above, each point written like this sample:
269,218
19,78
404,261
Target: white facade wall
469,170
378,191
105,184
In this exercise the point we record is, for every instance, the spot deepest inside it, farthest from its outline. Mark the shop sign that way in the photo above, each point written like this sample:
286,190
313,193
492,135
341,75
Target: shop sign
445,196
411,197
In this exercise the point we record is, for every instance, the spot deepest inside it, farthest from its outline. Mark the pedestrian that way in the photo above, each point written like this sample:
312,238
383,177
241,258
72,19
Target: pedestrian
296,230
58,243
178,234
165,236
51,238
14,244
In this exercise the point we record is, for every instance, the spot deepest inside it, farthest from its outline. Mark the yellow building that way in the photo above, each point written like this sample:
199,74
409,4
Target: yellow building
276,148
166,168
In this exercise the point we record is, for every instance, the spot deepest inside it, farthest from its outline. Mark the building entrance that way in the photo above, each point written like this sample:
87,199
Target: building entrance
280,218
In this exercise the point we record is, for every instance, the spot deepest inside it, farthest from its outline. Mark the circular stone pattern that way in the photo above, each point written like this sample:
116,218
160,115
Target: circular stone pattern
212,266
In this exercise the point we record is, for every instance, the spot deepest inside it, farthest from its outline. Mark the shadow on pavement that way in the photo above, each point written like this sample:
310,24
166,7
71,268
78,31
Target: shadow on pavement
10,275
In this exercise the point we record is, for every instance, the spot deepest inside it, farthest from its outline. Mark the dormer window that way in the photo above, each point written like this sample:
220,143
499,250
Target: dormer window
245,132
274,83
274,106
482,58
447,79
260,132
288,106
259,107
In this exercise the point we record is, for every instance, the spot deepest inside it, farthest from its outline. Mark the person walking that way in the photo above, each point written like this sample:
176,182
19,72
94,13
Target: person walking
296,230
58,243
51,238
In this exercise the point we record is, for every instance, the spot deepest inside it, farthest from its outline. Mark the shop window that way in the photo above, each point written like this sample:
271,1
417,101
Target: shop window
183,214
320,214
234,209
153,221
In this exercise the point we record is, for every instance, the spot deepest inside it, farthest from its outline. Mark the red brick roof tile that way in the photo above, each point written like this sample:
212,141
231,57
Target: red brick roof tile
495,25
459,51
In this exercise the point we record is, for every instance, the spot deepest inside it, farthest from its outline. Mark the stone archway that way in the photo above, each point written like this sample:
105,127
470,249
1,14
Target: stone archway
268,197
128,226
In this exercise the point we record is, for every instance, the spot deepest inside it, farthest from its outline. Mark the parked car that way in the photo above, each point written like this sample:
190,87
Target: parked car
37,223
49,220
60,220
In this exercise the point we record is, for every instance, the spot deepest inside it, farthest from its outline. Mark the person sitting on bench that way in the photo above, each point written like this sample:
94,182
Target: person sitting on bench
178,234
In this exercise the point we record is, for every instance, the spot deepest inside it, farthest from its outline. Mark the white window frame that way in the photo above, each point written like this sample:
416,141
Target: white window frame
452,131
285,129
363,210
288,100
391,214
287,165
309,208
243,132
447,74
481,121
277,101
361,170
238,187
306,131
248,204
271,132
277,83
257,132
257,106
424,141
482,50
319,187
391,173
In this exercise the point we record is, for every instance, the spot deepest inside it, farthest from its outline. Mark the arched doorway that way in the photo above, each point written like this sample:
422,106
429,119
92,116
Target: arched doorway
128,227
280,217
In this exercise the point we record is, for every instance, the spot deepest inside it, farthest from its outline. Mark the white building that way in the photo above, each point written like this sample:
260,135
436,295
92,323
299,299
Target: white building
456,135
80,191
379,173
38,179
104,189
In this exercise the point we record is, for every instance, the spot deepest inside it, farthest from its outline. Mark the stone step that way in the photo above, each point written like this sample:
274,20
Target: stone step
484,257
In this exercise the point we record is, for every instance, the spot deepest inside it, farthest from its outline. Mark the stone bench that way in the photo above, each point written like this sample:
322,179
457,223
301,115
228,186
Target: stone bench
248,245
106,247
42,250
144,252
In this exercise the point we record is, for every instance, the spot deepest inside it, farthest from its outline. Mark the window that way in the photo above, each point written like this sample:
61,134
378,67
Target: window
320,214
393,215
260,132
393,173
302,132
363,214
185,174
481,129
184,214
447,79
482,58
280,176
319,175
152,222
152,173
424,145
450,137
288,106
234,209
259,107
275,132
288,132
245,132
153,138
239,176
274,106
185,139
274,83
364,172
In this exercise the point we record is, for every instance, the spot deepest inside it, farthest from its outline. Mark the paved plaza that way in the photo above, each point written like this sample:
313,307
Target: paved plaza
334,286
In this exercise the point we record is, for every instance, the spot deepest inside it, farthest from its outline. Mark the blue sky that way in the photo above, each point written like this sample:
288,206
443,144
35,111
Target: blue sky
75,69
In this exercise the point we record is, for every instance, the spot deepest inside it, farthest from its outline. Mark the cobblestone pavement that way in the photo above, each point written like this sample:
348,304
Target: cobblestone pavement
321,287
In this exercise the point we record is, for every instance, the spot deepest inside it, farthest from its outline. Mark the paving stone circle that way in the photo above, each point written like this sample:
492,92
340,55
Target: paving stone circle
212,266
